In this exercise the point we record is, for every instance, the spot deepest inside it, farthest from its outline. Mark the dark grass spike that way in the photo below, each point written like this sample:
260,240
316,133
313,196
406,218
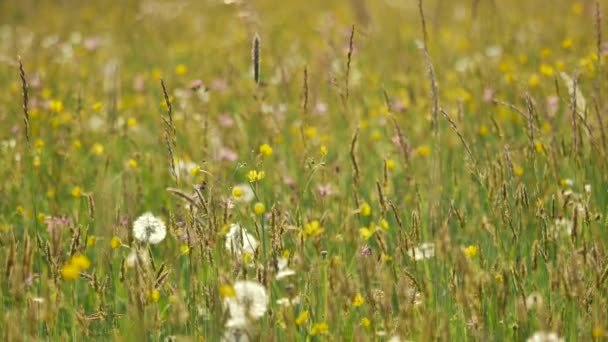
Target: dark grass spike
255,56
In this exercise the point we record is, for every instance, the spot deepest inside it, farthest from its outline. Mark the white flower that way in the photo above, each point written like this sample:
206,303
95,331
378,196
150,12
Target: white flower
247,194
588,188
284,270
249,304
534,300
561,227
424,251
289,301
543,336
239,241
134,256
150,229
235,335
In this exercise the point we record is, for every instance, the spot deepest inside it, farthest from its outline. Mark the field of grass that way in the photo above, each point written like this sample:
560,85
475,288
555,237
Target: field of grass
312,170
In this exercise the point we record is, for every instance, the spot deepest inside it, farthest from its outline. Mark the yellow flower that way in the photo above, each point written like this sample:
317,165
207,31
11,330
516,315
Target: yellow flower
471,251
39,143
20,210
319,328
96,106
76,191
390,164
227,291
80,261
598,332
115,242
498,278
259,208
546,70
358,300
567,43
366,233
50,193
41,217
181,69
91,241
423,151
376,135
131,122
534,80
323,150
153,295
518,170
313,229
302,318
384,224
310,132
255,176
577,8
77,144
538,147
36,162
97,149
483,130
184,249
69,272
133,164
365,209
56,105
365,322
237,192
265,150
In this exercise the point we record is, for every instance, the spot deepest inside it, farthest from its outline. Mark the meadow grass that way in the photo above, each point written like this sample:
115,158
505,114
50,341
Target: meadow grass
314,171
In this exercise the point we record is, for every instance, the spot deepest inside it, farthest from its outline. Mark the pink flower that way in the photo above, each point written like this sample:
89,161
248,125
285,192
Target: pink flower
324,190
227,154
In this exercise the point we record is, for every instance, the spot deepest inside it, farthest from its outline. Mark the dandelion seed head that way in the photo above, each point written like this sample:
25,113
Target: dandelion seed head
149,229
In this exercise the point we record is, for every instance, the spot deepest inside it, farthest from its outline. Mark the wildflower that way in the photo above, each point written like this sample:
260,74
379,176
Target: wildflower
181,69
255,176
77,144
546,70
518,170
561,227
115,242
287,302
365,209
239,241
310,132
70,272
134,257
598,332
265,150
542,336
259,208
80,261
323,150
149,229
76,191
366,233
365,322
133,164
39,143
227,291
302,318
131,122
284,270
324,190
184,249
243,193
319,328
248,304
56,106
471,251
96,106
424,251
153,295
498,278
91,241
533,80
97,149
358,300
423,151
567,43
313,229
534,300
483,130
577,8
390,164
587,188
